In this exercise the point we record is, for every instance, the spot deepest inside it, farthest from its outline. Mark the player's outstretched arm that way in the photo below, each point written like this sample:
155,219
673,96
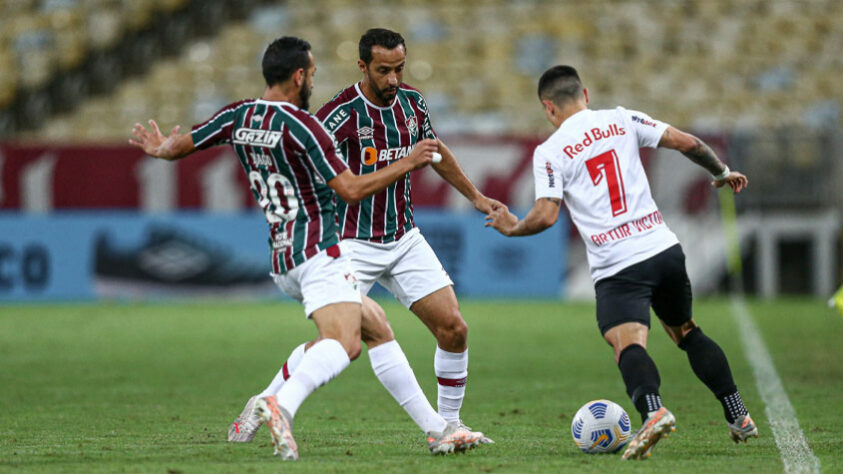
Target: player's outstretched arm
542,216
697,151
154,143
449,169
353,189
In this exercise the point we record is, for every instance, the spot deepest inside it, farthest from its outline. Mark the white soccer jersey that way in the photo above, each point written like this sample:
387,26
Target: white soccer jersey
592,162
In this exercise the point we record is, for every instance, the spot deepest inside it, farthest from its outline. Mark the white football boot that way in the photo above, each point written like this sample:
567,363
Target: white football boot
659,424
742,429
452,440
280,427
483,438
245,426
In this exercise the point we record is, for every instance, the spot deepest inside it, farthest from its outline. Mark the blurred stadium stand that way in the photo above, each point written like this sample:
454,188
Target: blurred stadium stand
758,77
704,65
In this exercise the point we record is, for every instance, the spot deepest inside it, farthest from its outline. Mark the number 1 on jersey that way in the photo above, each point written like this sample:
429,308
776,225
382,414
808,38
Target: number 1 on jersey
606,165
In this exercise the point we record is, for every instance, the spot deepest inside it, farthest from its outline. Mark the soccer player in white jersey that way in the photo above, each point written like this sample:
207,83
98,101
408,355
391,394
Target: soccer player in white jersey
296,173
592,163
377,122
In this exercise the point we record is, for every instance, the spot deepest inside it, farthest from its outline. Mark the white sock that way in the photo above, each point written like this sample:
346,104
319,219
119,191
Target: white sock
286,371
394,371
321,363
451,371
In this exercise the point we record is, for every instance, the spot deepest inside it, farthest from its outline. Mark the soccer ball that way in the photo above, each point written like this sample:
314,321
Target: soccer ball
600,426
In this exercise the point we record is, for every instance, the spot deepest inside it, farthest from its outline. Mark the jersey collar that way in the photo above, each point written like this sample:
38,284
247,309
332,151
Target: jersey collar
372,104
277,103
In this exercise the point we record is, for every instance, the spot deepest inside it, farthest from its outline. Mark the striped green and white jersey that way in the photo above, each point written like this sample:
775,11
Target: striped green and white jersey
288,157
370,138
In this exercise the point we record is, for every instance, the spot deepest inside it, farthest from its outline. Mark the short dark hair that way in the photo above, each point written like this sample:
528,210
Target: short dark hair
283,57
378,37
560,84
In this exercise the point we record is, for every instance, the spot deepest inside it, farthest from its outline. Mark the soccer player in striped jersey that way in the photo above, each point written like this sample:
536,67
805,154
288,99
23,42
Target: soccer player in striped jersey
377,121
295,173
592,162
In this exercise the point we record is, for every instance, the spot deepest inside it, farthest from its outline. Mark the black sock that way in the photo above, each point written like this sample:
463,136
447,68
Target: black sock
733,406
710,365
642,379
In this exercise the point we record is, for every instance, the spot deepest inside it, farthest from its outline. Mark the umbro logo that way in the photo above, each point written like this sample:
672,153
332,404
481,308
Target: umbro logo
366,133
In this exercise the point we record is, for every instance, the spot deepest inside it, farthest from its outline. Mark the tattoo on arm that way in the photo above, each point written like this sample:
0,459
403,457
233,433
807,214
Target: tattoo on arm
556,201
704,156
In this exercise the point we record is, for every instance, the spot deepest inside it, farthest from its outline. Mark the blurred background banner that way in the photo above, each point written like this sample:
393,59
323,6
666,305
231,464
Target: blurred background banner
757,79
41,178
129,255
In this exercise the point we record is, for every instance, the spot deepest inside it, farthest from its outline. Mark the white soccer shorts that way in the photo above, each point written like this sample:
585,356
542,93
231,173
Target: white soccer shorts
407,268
320,281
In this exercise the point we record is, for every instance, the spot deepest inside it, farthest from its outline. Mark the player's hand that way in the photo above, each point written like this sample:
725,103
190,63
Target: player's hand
486,205
502,220
422,153
152,142
735,180
496,205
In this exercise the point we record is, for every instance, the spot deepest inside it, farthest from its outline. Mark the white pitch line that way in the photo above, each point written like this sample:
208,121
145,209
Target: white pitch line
796,454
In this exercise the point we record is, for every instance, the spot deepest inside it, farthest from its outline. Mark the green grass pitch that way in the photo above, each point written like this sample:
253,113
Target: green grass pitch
153,387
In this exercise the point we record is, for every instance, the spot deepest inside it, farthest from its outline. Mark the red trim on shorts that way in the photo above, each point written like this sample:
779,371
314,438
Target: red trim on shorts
285,372
451,382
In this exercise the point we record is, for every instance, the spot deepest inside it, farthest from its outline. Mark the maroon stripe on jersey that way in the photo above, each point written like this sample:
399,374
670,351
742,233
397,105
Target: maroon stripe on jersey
412,223
379,199
349,230
276,265
401,120
401,185
355,162
451,382
288,258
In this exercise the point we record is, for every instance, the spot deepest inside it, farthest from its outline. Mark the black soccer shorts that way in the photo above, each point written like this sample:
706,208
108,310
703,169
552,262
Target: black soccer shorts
660,282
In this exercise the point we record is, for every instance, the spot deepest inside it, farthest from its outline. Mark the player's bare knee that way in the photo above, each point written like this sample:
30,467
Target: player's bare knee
377,335
375,328
678,333
350,340
624,335
452,335
352,348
